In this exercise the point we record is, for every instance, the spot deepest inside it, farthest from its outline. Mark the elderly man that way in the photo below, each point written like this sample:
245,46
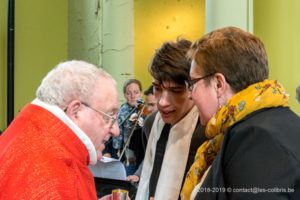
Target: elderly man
46,150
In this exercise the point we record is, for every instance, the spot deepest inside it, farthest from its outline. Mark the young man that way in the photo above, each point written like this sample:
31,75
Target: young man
174,131
46,150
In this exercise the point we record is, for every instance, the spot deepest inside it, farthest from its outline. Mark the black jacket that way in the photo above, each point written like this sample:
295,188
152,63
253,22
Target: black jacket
259,159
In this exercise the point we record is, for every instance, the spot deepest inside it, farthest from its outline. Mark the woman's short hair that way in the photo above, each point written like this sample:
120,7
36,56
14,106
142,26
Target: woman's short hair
170,62
69,81
238,55
129,81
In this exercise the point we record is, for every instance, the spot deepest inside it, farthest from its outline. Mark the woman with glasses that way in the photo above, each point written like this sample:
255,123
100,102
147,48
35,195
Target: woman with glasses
127,116
174,131
253,149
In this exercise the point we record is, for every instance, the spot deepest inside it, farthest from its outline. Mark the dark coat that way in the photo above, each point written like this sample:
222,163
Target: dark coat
259,159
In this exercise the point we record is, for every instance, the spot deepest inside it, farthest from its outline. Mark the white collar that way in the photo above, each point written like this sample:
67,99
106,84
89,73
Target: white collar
80,134
177,149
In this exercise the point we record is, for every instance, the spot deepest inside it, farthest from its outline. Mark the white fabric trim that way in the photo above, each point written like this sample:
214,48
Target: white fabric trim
175,158
55,110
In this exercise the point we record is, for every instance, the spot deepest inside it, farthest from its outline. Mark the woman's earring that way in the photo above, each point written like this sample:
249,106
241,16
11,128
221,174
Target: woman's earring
219,105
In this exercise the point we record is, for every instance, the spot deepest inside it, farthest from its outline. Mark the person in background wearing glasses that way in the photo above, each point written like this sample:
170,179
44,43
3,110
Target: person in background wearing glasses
132,90
46,150
174,131
253,150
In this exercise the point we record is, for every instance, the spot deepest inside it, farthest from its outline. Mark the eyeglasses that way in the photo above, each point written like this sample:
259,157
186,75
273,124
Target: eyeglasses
113,119
194,81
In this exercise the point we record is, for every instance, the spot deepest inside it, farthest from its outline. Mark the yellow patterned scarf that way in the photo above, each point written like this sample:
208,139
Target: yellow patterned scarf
266,94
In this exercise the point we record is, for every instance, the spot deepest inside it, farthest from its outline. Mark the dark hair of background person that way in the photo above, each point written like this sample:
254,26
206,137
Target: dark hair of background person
238,55
170,62
149,90
298,93
129,81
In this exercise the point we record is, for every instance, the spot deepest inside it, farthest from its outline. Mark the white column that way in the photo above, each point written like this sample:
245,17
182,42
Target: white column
222,13
118,40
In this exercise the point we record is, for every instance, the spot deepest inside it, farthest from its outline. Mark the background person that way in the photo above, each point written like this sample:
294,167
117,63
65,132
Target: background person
254,136
45,151
174,132
298,93
150,99
137,138
132,90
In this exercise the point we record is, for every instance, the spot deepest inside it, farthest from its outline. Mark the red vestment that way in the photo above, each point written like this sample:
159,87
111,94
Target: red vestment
42,158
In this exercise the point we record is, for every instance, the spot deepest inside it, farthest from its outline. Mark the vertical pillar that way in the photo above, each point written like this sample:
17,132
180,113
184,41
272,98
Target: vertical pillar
118,40
10,61
220,13
84,30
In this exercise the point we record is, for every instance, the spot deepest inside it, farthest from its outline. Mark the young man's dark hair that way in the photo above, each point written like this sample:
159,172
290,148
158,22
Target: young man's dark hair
169,62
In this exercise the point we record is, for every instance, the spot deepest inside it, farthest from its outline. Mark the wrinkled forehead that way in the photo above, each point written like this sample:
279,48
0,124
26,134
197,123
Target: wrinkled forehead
106,94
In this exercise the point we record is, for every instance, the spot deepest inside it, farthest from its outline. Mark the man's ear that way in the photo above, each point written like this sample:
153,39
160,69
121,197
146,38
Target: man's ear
72,109
220,84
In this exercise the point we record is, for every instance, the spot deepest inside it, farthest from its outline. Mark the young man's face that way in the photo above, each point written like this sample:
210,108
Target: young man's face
172,99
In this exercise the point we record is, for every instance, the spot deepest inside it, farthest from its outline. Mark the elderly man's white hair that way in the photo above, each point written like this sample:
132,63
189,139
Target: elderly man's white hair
69,81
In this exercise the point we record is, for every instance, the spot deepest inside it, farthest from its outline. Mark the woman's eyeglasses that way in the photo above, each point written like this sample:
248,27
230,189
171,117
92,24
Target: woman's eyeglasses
194,81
